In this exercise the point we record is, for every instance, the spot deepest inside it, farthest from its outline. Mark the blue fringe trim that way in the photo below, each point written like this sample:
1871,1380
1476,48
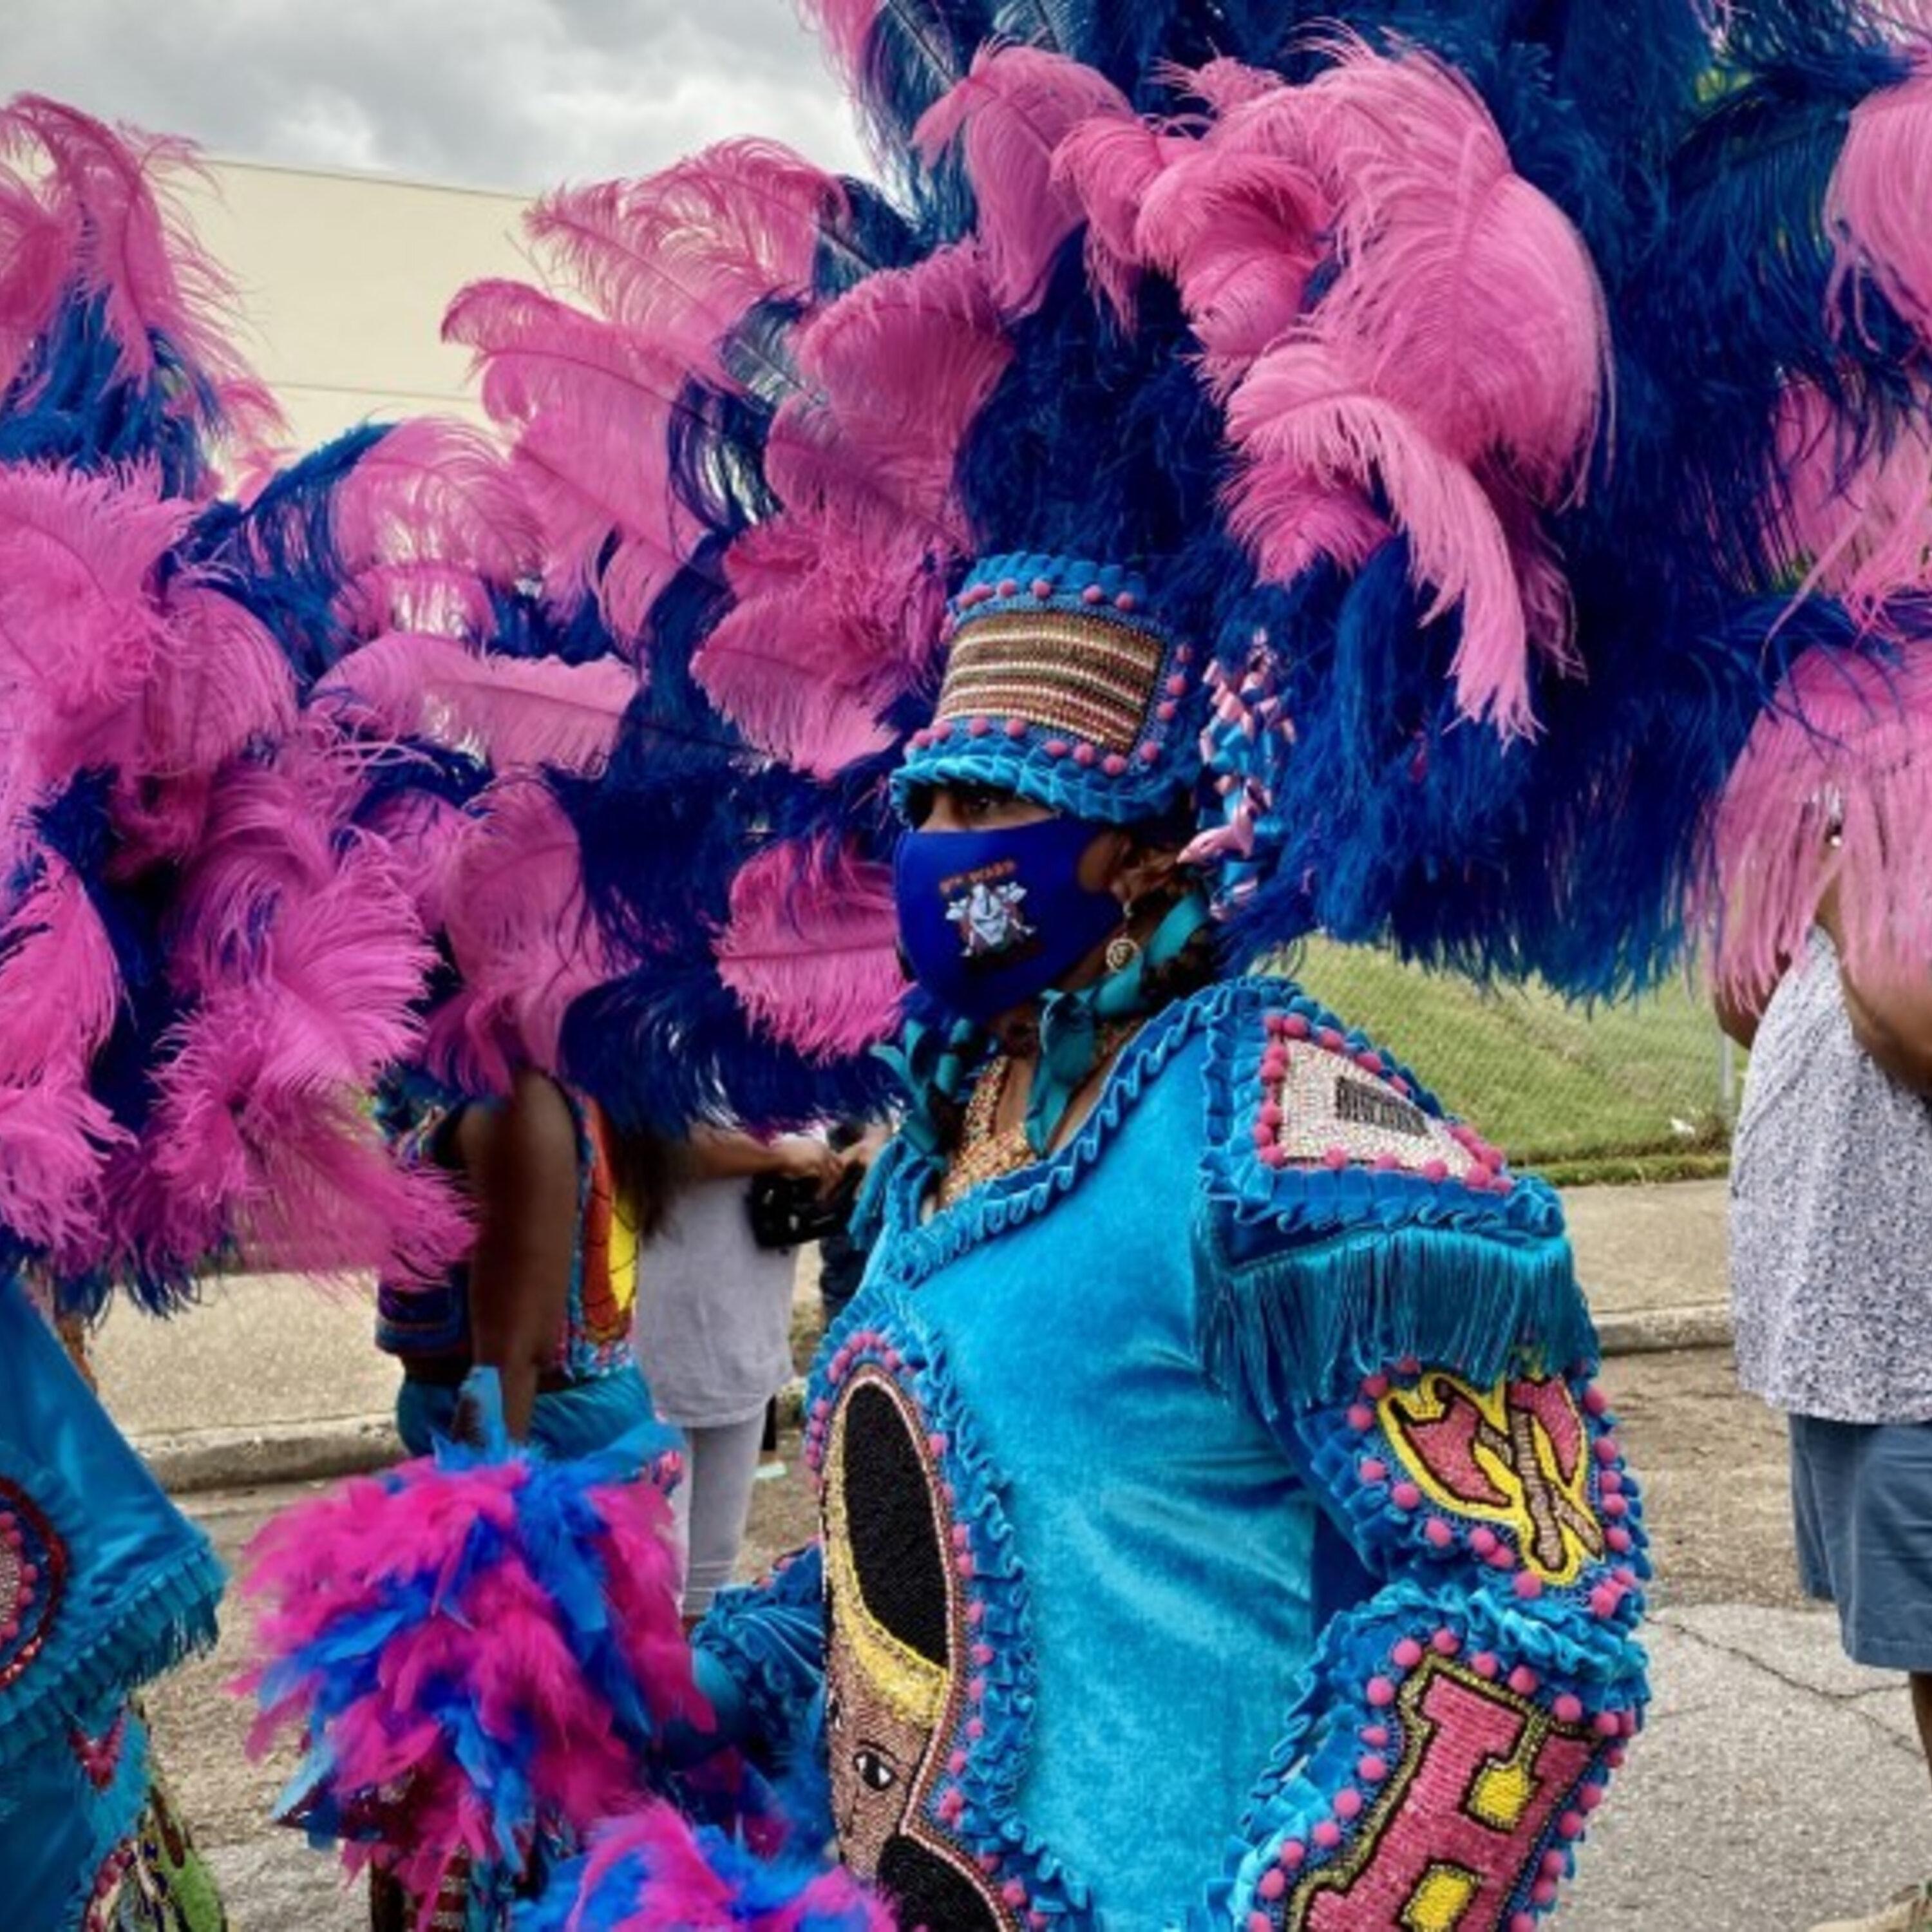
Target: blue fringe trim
1312,1279
769,1640
119,1641
1304,1328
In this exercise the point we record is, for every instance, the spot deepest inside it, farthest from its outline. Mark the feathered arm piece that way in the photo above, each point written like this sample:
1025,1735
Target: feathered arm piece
652,1870
478,1649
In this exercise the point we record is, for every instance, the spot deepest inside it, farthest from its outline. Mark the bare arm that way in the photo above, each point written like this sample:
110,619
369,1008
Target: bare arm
521,1158
1893,1023
1891,1019
1738,1014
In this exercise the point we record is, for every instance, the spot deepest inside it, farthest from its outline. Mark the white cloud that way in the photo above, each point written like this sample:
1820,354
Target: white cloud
515,94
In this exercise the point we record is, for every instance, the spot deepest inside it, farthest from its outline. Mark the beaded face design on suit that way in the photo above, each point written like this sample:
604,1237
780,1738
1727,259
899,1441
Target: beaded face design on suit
894,1682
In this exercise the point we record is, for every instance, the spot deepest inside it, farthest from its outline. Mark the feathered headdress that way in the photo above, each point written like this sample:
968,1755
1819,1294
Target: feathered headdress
1421,450
205,960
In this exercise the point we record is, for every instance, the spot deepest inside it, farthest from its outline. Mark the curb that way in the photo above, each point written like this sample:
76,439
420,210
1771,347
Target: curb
1653,1331
205,1460
201,1459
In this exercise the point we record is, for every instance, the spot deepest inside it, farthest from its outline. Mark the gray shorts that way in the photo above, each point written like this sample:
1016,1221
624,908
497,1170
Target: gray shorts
1861,1493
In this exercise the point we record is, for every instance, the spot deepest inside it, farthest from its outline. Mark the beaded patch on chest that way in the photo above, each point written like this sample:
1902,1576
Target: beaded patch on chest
1324,1105
929,1673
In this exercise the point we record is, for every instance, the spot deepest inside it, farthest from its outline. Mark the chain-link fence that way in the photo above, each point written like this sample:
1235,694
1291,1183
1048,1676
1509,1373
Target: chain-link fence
1643,1088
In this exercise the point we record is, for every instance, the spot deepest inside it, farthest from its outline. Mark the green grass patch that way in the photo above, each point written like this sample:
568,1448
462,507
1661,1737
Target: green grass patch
1602,1094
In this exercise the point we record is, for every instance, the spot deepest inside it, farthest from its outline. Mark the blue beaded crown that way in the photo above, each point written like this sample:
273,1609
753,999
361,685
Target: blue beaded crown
1066,682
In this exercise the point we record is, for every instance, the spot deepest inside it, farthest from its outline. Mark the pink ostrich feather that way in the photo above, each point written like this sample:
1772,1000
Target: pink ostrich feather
1240,232
301,948
60,985
1876,201
1225,84
60,990
518,711
900,366
221,684
1857,520
138,253
812,948
682,256
81,632
833,622
1847,749
1110,165
524,940
429,521
1305,421
588,407
54,1140
38,243
423,833
1464,294
1013,110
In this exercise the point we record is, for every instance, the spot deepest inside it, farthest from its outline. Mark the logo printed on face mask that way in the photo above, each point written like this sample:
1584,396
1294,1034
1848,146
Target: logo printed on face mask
985,907
989,919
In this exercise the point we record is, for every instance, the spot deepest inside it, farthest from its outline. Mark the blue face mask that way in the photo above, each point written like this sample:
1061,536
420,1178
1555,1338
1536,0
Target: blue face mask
990,920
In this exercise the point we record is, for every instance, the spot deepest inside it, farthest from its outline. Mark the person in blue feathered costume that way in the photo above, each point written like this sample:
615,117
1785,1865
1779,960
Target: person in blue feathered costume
1237,478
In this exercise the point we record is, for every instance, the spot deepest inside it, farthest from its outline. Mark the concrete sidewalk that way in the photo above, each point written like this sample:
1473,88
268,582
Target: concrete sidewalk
274,1379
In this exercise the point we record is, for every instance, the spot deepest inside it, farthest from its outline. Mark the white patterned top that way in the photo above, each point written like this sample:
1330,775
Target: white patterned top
1831,1216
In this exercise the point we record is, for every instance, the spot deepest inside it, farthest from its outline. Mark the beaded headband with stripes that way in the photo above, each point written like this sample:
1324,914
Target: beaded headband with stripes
1063,684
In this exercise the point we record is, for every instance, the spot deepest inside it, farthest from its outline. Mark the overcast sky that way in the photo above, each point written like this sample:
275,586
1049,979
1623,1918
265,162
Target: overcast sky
509,94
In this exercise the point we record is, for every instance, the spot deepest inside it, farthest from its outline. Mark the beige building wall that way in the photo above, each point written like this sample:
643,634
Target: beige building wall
343,279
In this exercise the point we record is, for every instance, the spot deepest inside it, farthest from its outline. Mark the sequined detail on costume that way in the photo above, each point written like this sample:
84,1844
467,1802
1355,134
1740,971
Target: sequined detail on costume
33,1573
987,1150
607,1252
154,1880
1088,676
1462,1819
929,1673
99,1757
1320,1105
894,1688
1516,1455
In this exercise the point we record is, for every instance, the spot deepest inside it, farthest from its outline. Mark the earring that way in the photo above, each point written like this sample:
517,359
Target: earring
1122,949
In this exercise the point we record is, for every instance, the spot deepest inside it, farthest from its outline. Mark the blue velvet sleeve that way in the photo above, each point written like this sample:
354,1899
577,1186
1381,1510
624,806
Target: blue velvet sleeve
759,1655
1402,1314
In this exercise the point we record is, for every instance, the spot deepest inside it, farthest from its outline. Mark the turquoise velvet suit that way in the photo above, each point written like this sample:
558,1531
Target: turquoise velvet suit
1143,1512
